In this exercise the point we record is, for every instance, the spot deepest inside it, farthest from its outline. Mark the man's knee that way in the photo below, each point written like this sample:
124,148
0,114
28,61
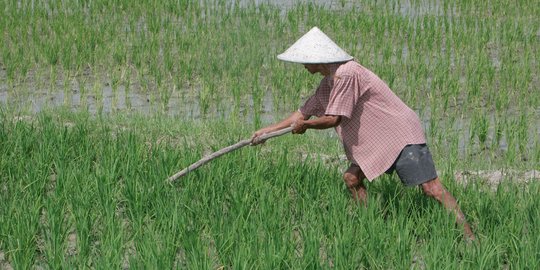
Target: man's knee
433,188
353,177
351,180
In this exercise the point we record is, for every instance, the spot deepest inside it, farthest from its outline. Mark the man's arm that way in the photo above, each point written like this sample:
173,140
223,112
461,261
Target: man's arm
289,121
323,122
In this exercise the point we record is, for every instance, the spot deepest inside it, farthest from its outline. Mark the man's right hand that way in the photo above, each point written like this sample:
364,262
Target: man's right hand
255,139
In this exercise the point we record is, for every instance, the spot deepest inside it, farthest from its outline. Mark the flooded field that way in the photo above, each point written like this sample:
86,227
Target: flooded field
101,101
183,105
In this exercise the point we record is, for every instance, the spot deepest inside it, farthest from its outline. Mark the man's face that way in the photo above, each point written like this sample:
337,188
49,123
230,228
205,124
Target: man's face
312,68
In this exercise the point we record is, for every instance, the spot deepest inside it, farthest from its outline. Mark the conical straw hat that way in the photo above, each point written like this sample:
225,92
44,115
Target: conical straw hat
314,47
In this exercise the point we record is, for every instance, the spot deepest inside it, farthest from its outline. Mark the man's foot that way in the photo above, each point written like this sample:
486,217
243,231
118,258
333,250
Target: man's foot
468,235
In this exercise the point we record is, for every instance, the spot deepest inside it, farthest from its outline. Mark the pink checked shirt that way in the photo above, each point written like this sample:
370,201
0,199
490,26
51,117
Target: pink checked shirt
375,124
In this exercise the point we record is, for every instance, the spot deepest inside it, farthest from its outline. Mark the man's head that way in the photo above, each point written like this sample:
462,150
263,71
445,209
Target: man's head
313,68
314,48
323,69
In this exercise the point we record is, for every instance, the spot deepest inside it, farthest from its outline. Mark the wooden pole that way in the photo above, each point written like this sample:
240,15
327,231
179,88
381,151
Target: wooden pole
226,150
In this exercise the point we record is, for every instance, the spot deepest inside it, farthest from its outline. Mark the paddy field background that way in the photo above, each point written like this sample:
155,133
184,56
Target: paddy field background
100,101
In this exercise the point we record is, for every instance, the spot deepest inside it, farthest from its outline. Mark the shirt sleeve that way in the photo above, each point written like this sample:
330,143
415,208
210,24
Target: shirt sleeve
344,96
313,106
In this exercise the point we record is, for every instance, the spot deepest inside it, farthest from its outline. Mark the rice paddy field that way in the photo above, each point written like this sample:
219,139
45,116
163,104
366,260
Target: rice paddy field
101,101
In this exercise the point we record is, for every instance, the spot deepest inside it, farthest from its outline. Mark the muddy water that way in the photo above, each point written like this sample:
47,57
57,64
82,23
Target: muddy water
132,100
109,101
405,7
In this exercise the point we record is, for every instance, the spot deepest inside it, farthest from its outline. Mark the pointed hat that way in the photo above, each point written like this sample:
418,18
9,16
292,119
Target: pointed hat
314,47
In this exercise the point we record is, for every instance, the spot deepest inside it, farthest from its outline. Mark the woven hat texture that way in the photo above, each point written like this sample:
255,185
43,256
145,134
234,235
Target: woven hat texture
314,47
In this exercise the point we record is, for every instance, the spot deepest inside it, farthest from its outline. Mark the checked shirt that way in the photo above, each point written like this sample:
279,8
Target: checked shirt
375,124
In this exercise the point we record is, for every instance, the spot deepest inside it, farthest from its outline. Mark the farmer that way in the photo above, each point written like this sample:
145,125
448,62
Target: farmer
380,134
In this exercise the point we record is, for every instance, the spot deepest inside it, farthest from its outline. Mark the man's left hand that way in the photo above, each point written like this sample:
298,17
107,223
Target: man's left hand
299,126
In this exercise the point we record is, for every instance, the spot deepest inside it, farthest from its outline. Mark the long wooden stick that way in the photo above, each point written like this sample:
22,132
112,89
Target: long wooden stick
226,150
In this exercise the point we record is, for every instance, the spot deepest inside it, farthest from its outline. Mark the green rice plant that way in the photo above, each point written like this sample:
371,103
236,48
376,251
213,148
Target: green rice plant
97,93
468,69
54,231
85,219
127,87
257,94
205,97
479,128
499,125
66,89
291,213
19,234
53,76
114,77
81,84
523,133
165,93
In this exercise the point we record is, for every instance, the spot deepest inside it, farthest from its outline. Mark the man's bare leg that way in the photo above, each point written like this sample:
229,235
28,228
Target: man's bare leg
353,178
435,189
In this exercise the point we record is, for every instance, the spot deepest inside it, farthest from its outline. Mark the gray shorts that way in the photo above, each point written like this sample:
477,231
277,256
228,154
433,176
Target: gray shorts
414,165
